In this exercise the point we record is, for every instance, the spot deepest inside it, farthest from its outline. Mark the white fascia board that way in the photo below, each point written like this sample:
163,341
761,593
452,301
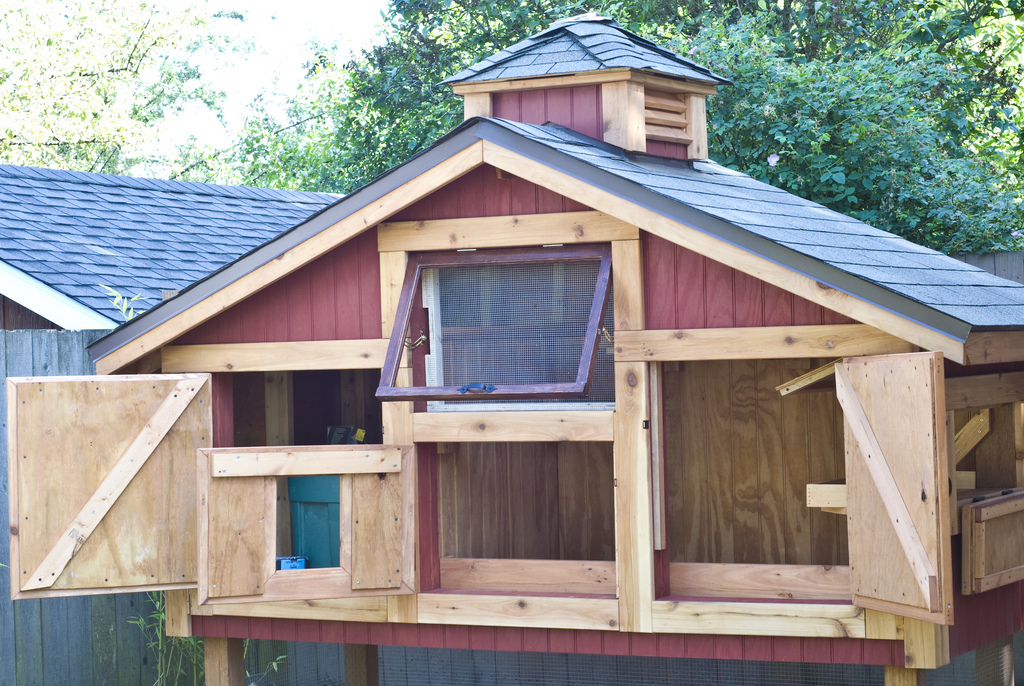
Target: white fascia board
33,294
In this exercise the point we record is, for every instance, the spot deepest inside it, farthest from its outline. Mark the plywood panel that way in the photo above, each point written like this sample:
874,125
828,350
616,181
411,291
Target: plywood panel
738,458
237,536
376,531
69,434
586,504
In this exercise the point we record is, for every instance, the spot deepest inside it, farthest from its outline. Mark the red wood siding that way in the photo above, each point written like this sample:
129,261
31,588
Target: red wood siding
577,108
685,290
667,149
779,649
335,297
480,193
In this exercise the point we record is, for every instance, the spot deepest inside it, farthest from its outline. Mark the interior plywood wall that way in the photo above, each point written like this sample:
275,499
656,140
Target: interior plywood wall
543,501
738,459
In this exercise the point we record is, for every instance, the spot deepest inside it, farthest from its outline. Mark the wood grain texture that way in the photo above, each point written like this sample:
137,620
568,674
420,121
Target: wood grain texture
268,357
80,449
528,576
376,531
622,105
758,619
581,425
900,399
306,460
770,342
984,390
787,582
224,661
503,231
519,611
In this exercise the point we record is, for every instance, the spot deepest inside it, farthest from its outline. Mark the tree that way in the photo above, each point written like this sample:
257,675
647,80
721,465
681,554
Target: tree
84,85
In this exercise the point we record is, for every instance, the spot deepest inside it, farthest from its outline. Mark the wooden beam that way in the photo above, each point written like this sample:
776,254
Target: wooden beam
113,485
810,378
984,390
971,434
306,460
829,495
360,609
901,676
224,661
990,347
889,492
622,106
528,576
584,79
503,232
925,644
315,246
489,427
270,357
753,343
533,612
476,105
779,582
634,532
735,256
758,619
177,608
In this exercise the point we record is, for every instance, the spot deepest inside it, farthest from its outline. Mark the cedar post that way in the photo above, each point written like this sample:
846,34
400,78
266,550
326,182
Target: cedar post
224,661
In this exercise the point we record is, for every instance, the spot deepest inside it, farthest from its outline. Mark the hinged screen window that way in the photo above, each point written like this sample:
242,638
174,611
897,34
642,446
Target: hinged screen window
508,325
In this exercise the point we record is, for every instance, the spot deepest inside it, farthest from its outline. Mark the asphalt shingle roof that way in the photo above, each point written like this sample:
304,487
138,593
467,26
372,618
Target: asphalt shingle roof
580,44
74,230
926,276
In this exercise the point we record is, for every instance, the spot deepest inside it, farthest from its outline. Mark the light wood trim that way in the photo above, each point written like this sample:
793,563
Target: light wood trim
769,342
392,279
901,676
309,584
476,105
634,531
889,492
925,645
502,232
779,582
361,609
177,608
662,83
622,106
113,485
270,357
286,263
758,619
463,427
279,416
528,576
519,611
984,390
1018,441
671,119
672,102
990,347
224,661
971,433
883,625
698,128
659,500
828,494
967,481
734,256
805,380
306,460
628,279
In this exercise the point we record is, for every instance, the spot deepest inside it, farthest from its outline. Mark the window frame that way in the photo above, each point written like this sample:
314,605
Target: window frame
388,391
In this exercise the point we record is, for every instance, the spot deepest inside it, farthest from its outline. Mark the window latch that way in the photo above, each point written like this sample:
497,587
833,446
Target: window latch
607,336
476,388
412,345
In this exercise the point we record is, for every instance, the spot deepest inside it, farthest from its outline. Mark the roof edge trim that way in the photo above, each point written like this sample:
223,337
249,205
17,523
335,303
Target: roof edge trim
46,301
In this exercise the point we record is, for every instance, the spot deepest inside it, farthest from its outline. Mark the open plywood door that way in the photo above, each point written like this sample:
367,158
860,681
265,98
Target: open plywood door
102,482
238,522
898,484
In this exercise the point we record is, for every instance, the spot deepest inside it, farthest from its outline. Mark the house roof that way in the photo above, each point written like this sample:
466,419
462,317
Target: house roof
62,233
915,283
581,44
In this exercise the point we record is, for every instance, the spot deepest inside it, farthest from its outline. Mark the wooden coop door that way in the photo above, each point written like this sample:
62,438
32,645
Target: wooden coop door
103,482
898,484
238,522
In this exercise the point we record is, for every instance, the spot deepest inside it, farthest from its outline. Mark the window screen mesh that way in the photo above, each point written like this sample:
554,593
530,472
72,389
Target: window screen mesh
516,324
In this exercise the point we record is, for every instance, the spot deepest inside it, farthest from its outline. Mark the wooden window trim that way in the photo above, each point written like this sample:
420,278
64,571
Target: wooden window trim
588,360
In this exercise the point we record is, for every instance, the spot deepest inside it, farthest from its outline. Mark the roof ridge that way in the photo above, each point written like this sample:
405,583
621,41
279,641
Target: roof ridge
12,171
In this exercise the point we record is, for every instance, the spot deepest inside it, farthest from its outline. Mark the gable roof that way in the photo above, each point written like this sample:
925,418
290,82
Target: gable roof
581,44
834,259
62,233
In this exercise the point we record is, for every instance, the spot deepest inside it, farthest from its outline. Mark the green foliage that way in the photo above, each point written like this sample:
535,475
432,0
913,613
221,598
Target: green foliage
123,303
178,659
873,134
86,84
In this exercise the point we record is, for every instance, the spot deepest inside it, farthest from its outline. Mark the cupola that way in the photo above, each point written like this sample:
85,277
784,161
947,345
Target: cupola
589,74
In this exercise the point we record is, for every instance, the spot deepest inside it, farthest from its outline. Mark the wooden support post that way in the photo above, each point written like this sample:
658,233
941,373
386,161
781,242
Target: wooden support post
901,676
361,665
177,611
993,663
224,661
1018,440
397,417
925,645
280,419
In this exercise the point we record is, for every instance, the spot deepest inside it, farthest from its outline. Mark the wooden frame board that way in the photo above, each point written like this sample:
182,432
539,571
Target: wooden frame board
992,542
274,357
94,461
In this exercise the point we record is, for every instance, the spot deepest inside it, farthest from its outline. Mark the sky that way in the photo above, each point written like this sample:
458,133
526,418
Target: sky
280,32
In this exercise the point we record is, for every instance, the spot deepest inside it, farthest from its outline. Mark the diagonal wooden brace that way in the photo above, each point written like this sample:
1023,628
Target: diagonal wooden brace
114,484
899,515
